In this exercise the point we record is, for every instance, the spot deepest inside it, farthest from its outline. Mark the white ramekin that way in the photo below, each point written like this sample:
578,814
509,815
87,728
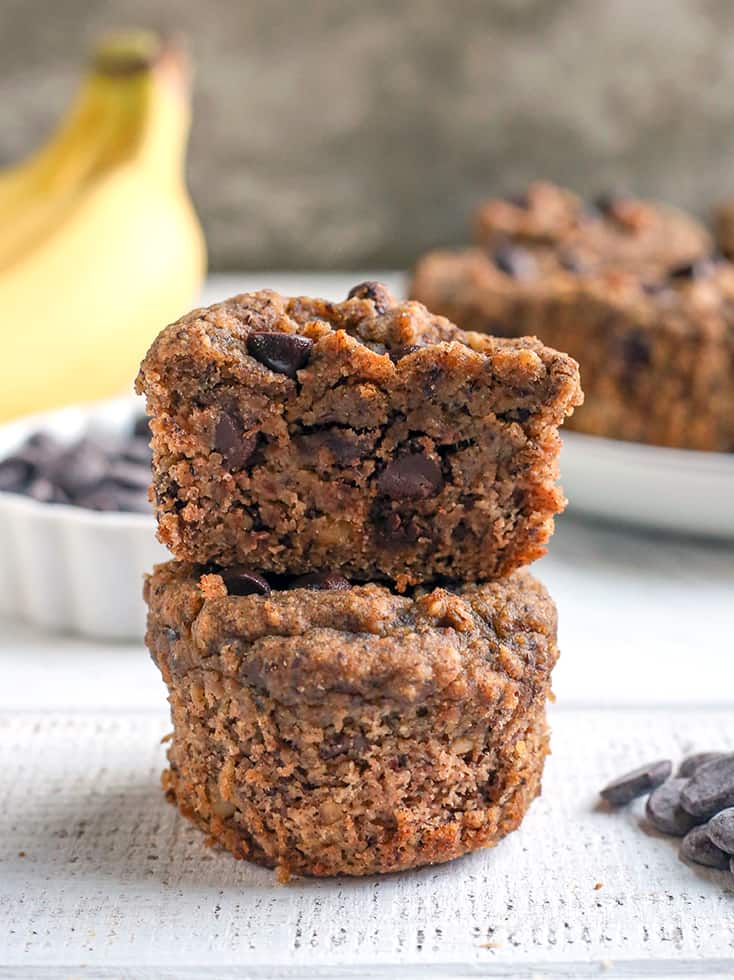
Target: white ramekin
66,568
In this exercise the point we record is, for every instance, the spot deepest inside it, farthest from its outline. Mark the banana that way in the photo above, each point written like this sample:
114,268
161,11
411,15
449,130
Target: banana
104,246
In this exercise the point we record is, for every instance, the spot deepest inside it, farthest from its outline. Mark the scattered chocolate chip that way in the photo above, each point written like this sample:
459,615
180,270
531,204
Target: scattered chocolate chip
127,474
78,468
240,581
284,353
665,812
710,788
170,633
692,762
14,474
136,450
45,492
414,476
721,830
699,269
376,291
141,427
515,261
633,784
400,352
322,582
109,476
697,846
229,440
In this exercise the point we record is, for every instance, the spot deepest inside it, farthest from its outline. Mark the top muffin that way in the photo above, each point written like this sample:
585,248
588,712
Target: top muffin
367,437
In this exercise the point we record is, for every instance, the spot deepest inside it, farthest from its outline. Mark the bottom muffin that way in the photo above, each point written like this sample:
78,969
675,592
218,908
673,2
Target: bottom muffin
324,728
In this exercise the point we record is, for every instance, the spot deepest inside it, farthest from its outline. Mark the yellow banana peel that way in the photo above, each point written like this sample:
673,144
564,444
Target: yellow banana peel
101,246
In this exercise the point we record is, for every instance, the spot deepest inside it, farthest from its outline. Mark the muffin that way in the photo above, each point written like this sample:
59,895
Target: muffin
630,292
322,727
369,437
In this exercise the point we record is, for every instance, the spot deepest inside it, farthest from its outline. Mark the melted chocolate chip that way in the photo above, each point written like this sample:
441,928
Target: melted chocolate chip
515,261
284,353
412,476
699,269
519,200
608,201
322,582
240,581
229,440
400,352
401,529
376,291
635,352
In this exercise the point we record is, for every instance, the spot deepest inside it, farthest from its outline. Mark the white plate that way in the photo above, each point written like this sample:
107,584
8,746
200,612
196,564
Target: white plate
677,490
66,568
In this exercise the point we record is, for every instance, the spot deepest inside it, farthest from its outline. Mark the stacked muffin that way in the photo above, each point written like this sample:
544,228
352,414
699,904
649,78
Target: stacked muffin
357,666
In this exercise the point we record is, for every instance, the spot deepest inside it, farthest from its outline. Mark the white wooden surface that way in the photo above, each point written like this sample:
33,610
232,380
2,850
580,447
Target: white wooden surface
114,884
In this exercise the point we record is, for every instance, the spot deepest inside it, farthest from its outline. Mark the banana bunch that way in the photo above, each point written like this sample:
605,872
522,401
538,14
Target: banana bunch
99,243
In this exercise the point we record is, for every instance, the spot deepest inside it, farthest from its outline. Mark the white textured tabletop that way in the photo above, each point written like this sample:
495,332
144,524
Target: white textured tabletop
99,877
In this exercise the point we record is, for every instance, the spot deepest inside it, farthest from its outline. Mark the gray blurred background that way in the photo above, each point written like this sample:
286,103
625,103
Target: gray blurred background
340,133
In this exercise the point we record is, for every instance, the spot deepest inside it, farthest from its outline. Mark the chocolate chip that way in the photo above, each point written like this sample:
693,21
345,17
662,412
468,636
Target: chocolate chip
710,788
519,200
127,474
136,450
322,582
285,353
45,492
229,440
240,581
515,261
14,474
141,427
665,812
633,784
400,352
608,202
170,633
401,529
721,830
635,348
414,476
697,846
79,468
109,496
376,291
700,269
692,762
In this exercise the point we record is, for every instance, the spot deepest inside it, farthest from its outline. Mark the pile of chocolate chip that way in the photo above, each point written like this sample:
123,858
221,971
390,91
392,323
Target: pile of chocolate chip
110,474
696,804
